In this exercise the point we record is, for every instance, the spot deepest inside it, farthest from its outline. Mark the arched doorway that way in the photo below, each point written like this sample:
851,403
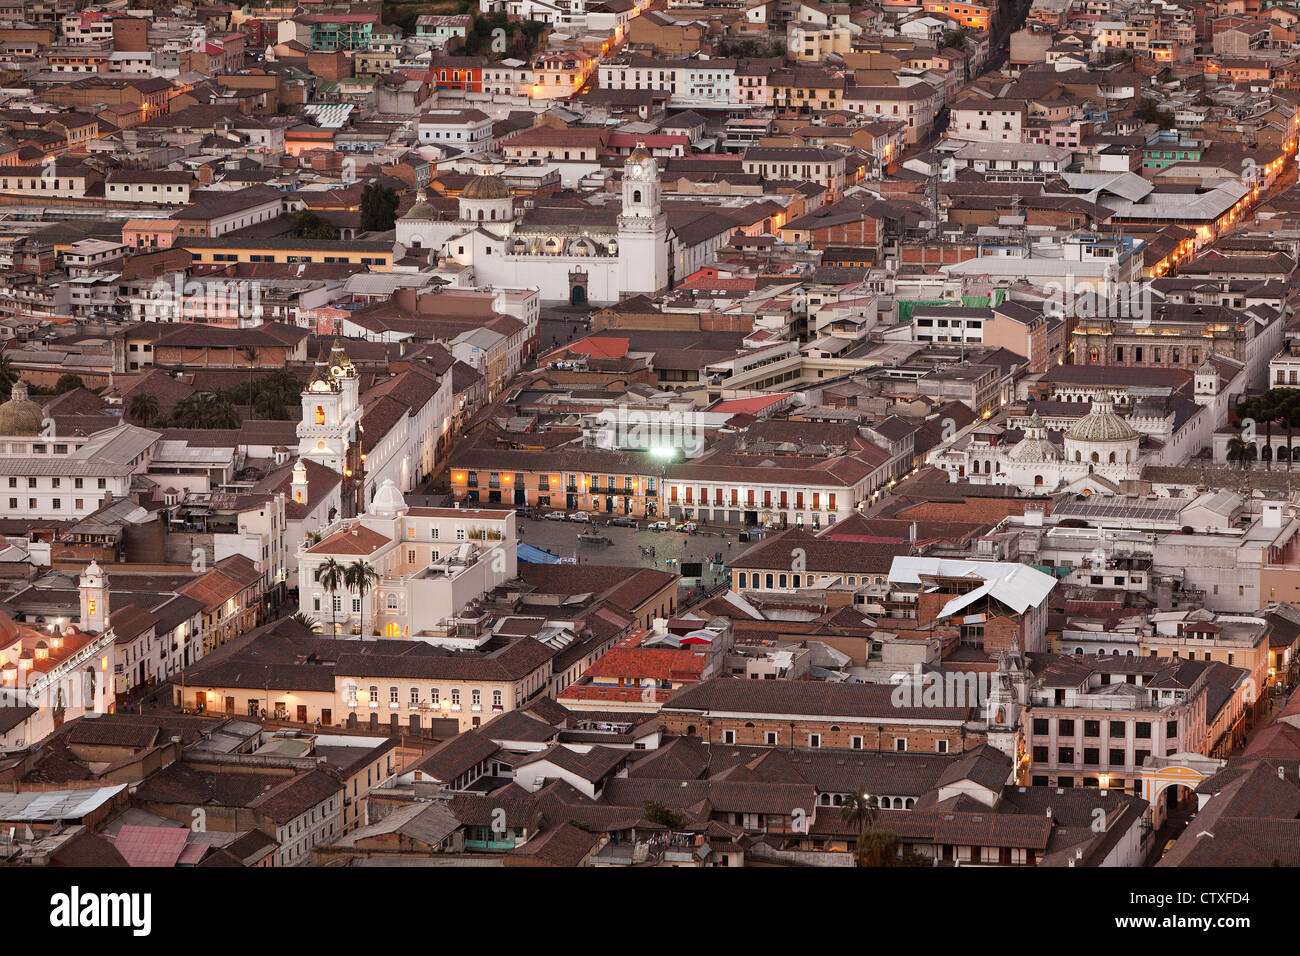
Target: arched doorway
578,287
1181,773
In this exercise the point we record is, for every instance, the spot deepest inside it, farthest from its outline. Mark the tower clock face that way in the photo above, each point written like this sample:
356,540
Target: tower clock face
636,172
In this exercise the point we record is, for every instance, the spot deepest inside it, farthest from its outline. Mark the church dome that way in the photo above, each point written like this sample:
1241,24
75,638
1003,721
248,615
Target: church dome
1101,425
640,154
20,415
1035,446
423,211
388,500
488,186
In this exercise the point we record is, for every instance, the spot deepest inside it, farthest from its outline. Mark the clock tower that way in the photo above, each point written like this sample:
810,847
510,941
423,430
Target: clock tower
642,228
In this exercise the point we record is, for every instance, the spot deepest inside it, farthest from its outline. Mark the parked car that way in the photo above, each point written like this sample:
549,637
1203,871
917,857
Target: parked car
524,512
555,516
623,522
579,516
690,527
657,526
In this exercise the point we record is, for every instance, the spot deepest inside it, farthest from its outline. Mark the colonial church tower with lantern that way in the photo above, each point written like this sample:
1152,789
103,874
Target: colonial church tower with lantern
331,409
642,228
330,431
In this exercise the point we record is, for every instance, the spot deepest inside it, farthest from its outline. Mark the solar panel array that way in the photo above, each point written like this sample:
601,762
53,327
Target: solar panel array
1108,508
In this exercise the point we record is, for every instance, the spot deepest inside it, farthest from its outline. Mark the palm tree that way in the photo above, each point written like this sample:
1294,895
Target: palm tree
310,623
361,577
250,353
1241,451
860,809
206,410
267,407
143,407
332,577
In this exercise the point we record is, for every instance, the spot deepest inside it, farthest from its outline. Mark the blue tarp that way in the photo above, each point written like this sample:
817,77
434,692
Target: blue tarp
536,555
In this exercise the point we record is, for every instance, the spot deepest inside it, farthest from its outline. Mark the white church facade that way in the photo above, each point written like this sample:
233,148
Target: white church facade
572,255
1097,453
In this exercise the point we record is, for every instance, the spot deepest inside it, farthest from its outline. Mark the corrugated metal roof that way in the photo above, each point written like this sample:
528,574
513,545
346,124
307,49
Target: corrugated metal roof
1018,586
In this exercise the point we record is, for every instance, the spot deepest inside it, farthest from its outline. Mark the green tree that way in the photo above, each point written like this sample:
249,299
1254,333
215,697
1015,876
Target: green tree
332,576
143,407
268,408
68,383
953,38
881,848
658,813
361,577
310,623
307,224
378,208
206,410
1149,111
860,810
7,375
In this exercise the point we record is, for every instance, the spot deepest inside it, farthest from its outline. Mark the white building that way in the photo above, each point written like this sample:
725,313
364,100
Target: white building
1100,445
431,563
589,260
464,129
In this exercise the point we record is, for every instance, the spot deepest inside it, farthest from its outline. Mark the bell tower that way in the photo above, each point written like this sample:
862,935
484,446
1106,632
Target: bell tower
642,228
331,409
1008,695
94,598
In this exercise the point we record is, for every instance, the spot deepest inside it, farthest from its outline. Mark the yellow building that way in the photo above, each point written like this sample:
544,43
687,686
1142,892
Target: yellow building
223,251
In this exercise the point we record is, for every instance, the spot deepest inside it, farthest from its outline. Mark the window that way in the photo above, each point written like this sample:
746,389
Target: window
941,746
415,697
773,738
455,697
814,740
855,743
900,745
392,696
728,736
